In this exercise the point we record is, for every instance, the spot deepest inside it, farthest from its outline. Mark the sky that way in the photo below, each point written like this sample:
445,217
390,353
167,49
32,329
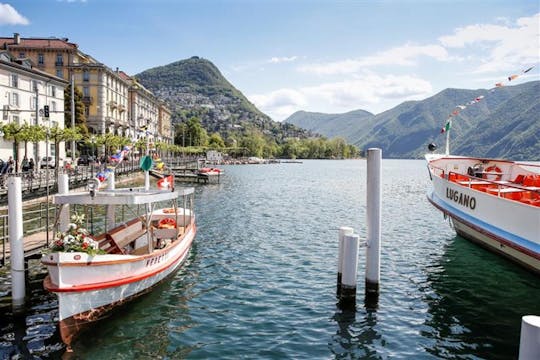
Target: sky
312,55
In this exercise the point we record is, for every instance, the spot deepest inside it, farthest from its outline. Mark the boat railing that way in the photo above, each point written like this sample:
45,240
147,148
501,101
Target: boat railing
525,191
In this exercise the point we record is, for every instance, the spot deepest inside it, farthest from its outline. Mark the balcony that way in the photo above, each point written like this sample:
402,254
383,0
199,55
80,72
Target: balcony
88,100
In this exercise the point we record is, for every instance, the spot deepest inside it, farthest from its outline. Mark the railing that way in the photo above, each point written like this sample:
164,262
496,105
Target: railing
34,221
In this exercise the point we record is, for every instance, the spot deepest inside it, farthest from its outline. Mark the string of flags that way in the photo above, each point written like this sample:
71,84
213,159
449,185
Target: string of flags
116,160
476,100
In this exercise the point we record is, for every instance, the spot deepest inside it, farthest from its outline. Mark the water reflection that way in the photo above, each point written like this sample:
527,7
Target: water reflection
470,295
355,339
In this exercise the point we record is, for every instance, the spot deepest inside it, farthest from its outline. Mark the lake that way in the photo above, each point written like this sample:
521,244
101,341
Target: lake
260,282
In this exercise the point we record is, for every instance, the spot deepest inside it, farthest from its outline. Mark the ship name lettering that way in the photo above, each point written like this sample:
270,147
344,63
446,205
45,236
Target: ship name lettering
461,198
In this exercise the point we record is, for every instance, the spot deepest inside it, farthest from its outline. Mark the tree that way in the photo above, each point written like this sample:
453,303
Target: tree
215,141
31,133
58,135
14,132
80,117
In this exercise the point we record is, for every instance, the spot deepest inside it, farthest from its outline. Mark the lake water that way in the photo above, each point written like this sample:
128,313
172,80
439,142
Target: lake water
260,282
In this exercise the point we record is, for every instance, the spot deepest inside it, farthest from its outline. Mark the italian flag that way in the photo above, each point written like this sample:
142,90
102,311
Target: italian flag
446,127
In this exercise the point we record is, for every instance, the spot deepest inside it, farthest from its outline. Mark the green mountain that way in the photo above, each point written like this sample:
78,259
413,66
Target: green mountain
196,87
505,123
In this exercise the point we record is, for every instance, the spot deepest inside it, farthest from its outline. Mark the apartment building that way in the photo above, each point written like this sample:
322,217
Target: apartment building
114,103
24,91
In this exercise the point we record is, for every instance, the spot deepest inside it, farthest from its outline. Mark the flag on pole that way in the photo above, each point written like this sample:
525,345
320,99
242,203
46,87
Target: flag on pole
166,183
447,126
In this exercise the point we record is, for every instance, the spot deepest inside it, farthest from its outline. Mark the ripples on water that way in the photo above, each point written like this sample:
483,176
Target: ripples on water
260,281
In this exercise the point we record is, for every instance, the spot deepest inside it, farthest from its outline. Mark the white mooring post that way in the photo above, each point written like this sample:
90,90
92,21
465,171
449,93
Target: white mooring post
111,216
529,342
350,267
16,241
344,230
373,248
63,188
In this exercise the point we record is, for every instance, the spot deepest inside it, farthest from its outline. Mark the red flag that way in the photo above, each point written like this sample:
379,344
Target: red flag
166,183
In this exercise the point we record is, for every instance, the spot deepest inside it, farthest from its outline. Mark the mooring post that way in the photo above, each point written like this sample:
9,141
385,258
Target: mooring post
111,216
347,298
373,248
16,241
63,188
344,230
529,342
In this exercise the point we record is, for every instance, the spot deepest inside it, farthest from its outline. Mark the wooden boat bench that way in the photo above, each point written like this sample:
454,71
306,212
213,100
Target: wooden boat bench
118,239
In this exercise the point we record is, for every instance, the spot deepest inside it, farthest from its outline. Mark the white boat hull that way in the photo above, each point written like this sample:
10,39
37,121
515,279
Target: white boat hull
510,228
108,281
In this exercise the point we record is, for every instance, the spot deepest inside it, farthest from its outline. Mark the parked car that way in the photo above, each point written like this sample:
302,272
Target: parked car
86,160
48,162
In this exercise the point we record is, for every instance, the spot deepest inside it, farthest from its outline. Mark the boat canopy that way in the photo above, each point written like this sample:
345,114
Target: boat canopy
124,196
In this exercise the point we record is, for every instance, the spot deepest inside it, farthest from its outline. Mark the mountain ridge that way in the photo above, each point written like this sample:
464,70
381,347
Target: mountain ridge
405,130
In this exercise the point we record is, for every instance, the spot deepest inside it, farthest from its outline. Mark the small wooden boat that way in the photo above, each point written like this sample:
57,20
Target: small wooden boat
495,203
127,259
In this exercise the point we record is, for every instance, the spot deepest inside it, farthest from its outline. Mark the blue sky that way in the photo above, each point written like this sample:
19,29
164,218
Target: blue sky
314,55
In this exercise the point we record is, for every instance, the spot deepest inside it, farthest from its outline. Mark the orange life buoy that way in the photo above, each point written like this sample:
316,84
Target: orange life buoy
494,171
167,223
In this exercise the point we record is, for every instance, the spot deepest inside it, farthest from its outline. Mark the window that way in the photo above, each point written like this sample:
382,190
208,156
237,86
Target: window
14,80
87,111
34,85
59,60
40,59
15,99
22,55
53,106
33,103
86,91
60,73
15,119
53,91
86,75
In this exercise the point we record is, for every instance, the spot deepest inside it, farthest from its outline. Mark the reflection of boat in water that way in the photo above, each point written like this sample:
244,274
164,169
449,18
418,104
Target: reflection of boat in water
133,256
475,302
495,203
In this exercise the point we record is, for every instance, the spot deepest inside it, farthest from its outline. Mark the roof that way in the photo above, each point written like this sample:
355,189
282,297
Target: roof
43,43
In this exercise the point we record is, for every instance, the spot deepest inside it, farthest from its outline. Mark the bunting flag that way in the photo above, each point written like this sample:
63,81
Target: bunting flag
166,183
477,99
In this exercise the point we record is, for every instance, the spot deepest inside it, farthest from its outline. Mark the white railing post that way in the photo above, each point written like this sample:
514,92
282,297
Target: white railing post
16,241
373,249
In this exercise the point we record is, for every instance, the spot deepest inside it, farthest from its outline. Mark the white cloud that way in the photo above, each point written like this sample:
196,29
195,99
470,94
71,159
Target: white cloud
501,47
405,55
10,16
277,60
368,92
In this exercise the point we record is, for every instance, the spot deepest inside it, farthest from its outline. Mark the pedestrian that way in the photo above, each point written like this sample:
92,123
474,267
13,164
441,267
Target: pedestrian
31,165
10,164
25,165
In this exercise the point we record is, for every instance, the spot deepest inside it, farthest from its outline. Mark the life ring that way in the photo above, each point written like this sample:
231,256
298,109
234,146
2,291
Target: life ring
167,223
493,171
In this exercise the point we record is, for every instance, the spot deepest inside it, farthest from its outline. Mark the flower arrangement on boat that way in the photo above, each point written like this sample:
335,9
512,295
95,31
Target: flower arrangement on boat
76,239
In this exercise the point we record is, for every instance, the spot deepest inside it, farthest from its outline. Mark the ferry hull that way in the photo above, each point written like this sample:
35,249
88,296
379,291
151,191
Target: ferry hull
490,241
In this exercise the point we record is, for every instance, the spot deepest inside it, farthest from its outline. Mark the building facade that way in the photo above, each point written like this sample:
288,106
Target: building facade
114,102
24,92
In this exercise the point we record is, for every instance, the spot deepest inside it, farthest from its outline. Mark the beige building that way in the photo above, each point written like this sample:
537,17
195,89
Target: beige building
114,102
